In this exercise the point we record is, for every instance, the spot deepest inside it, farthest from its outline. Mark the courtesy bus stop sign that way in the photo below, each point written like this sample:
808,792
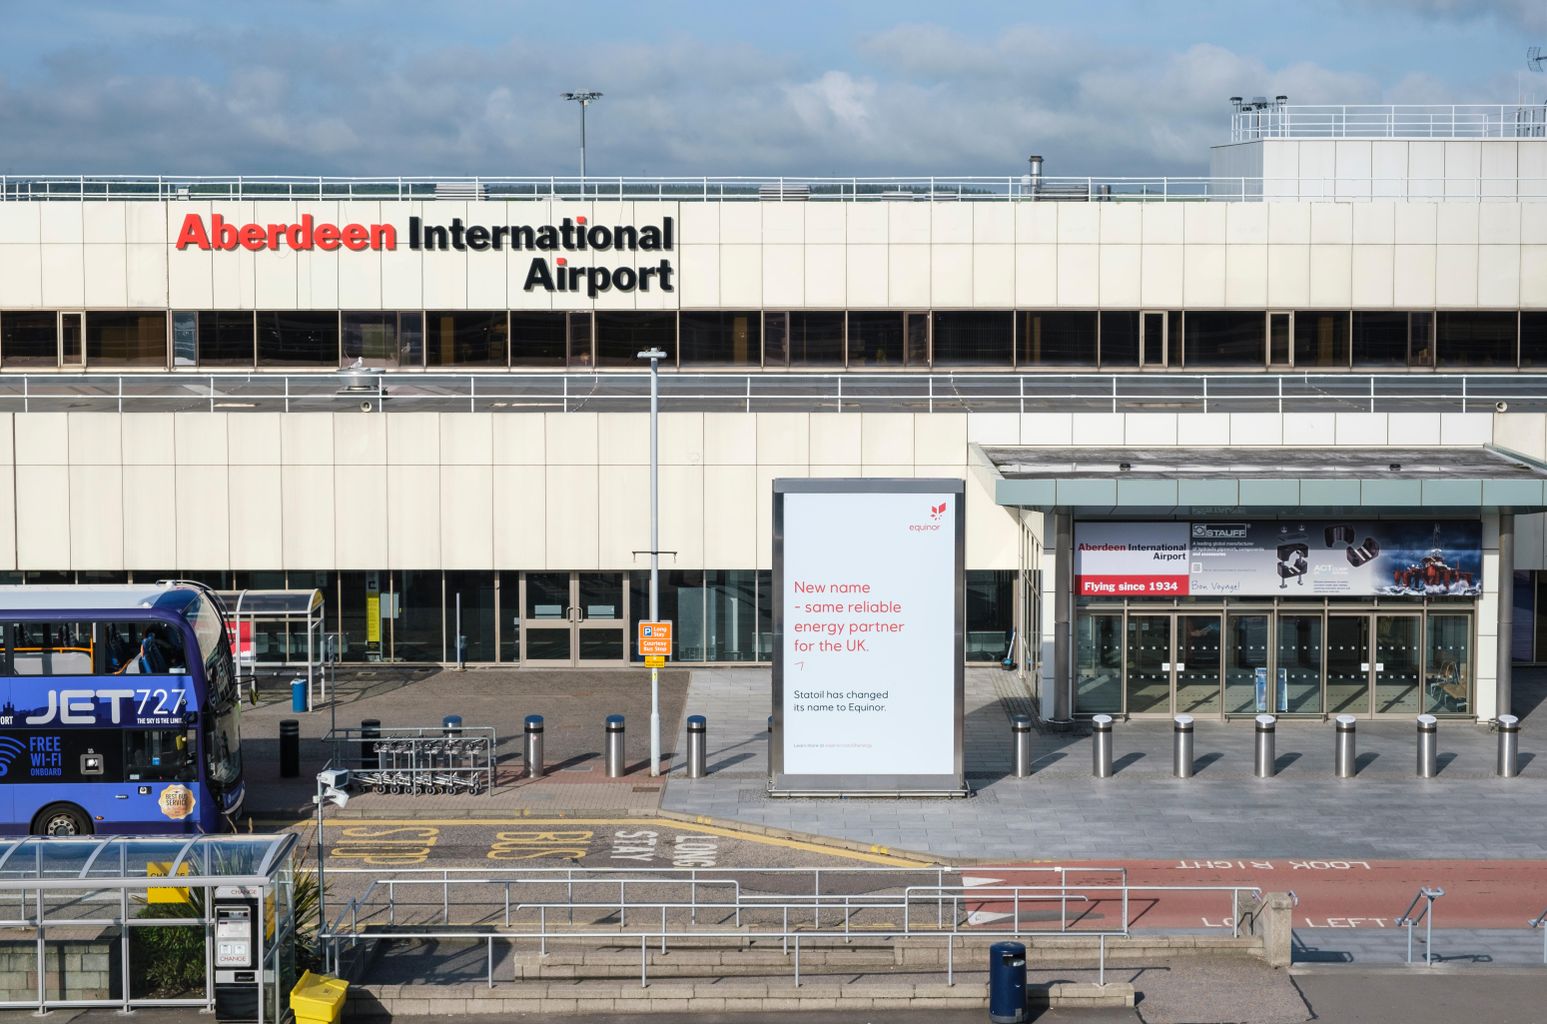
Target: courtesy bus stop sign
868,655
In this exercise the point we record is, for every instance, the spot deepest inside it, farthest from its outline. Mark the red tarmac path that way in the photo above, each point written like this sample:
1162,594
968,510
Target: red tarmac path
1332,893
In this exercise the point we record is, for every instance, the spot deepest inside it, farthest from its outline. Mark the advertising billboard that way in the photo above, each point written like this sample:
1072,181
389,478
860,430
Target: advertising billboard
1226,558
867,623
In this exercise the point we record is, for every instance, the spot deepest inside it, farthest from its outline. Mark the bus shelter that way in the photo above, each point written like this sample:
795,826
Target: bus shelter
277,631
203,923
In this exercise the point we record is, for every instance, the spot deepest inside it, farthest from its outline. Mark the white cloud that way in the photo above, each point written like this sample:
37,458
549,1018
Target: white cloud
911,99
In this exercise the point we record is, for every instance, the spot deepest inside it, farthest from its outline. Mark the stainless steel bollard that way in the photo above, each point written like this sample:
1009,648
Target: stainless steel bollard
1267,747
1344,753
698,728
533,729
1428,746
1020,739
614,746
1509,746
1101,747
1181,747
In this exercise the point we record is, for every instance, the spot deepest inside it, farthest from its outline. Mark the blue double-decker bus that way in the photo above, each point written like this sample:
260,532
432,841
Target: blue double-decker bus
119,711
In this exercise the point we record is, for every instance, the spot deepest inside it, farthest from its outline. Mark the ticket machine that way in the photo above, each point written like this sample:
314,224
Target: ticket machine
238,952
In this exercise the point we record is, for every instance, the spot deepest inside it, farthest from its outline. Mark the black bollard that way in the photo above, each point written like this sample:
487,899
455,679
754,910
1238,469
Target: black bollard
289,748
370,735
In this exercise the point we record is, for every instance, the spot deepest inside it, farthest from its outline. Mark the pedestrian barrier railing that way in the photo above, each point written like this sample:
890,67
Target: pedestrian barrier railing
690,390
1426,897
1537,923
654,907
1013,188
418,761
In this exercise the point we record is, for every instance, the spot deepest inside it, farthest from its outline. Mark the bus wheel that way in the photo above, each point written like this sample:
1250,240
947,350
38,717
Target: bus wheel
61,820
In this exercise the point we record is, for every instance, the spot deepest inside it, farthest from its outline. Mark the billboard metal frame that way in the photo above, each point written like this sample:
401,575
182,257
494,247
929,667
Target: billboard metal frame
953,784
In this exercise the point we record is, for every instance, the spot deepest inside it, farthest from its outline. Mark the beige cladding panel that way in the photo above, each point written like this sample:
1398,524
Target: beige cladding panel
820,255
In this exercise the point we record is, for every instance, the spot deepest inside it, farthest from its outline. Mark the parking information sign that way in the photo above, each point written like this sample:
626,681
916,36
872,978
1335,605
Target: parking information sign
868,636
655,639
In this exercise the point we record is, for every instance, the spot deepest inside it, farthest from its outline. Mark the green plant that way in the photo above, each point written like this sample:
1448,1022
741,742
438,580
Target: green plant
168,960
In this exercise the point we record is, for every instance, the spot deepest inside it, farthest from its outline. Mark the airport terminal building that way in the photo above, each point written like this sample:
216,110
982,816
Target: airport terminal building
1269,440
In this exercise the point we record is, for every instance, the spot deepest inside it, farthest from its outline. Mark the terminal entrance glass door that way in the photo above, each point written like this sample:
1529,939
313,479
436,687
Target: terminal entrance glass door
1174,664
573,618
1374,661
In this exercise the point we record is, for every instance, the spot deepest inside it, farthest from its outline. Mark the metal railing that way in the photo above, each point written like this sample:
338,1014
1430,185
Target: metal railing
1426,895
860,391
1537,923
656,906
994,188
1389,121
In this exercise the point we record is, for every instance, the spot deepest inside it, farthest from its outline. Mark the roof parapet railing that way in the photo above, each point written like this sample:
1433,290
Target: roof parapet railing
1426,895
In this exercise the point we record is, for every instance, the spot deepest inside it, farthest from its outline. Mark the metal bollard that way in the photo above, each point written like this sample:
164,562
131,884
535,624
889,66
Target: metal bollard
289,748
698,739
1181,747
1509,746
1101,747
770,746
533,731
1267,747
614,748
1428,746
370,735
1344,753
1020,745
451,725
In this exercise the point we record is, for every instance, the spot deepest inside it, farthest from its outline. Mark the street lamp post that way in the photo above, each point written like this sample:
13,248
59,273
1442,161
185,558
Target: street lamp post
585,98
655,356
330,790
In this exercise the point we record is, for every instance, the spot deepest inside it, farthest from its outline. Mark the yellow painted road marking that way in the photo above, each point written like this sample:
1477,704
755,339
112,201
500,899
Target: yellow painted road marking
879,855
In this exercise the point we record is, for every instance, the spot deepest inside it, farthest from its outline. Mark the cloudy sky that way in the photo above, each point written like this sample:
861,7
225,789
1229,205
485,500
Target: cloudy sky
457,87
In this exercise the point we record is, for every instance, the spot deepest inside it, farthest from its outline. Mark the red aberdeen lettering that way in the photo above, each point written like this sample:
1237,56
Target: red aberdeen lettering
301,236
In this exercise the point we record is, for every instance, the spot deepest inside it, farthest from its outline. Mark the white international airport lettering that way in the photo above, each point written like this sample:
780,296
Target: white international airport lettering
552,274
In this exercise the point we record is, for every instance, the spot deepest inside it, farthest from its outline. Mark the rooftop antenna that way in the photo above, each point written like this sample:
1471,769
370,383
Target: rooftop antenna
1534,58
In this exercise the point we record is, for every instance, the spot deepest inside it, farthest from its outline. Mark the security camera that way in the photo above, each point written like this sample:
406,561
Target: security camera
334,778
1500,406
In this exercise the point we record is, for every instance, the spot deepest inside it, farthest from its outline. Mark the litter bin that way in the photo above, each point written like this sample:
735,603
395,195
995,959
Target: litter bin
1007,983
298,702
318,999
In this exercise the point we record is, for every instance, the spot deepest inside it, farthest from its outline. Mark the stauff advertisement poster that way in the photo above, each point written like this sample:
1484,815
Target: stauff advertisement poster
1353,557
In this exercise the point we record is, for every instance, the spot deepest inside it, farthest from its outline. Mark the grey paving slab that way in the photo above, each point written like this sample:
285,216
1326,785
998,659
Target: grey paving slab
1143,811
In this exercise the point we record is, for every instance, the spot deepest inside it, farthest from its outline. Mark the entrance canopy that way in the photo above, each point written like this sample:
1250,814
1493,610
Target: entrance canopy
1178,481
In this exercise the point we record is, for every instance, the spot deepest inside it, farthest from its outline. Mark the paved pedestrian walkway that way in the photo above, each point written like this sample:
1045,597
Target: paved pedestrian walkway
573,703
1061,812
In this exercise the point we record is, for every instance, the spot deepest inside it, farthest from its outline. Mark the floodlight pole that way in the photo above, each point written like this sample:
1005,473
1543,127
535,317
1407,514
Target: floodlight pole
585,98
655,356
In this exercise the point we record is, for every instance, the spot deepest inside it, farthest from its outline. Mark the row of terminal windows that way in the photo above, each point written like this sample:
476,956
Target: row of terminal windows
817,339
719,615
